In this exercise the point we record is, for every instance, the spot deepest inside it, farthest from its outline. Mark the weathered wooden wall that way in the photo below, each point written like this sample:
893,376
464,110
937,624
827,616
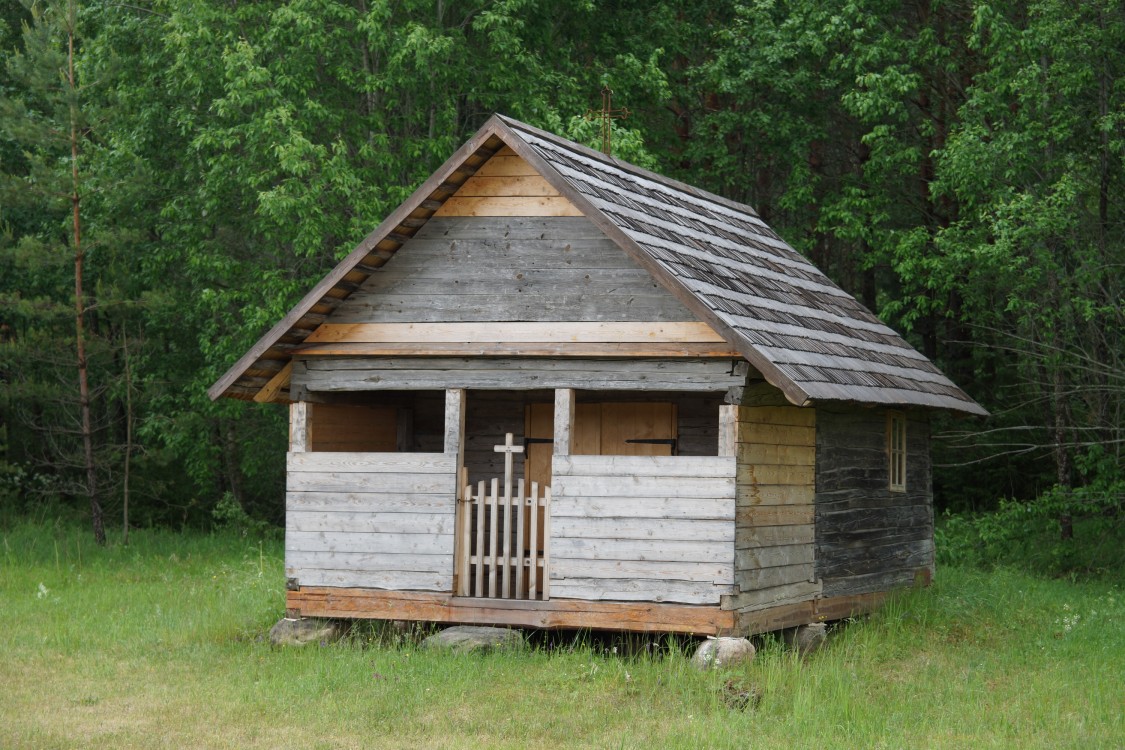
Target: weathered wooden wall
377,520
481,269
643,528
774,537
869,538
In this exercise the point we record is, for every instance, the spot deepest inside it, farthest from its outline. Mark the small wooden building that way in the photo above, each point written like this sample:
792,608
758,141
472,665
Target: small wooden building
553,389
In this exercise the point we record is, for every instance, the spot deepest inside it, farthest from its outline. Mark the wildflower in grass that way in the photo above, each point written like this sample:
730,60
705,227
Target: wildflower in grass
43,591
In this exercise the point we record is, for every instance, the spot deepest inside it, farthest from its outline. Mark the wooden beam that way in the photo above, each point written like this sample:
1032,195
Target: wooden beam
553,613
358,603
277,383
660,350
585,332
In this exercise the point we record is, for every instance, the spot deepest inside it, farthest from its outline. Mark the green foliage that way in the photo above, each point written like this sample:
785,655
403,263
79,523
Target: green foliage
1071,532
956,166
230,516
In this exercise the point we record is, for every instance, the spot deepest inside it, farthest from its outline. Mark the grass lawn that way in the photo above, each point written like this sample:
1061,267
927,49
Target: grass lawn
163,644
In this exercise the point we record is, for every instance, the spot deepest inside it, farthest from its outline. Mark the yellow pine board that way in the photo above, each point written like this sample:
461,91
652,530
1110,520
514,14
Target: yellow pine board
587,332
777,415
506,163
506,186
508,206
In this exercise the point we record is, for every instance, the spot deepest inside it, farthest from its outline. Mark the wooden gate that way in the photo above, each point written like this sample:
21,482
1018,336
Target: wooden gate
503,535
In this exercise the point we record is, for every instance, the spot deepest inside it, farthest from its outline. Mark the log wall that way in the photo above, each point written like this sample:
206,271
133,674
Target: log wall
775,552
375,520
868,537
643,528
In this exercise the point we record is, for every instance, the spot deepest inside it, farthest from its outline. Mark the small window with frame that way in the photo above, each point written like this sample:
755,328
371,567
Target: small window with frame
896,450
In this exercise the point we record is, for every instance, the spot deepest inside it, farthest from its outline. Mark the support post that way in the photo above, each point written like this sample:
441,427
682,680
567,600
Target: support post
564,420
728,429
454,444
455,423
300,432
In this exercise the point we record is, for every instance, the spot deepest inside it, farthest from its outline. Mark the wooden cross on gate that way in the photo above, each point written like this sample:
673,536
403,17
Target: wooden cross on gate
607,115
509,452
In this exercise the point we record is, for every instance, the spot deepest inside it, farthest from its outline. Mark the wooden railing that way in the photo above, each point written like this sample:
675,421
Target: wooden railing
502,537
502,549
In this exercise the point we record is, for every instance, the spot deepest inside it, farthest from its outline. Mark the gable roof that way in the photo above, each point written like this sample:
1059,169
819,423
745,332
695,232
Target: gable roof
809,338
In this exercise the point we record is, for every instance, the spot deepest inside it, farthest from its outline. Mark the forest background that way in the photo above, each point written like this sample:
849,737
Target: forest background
959,166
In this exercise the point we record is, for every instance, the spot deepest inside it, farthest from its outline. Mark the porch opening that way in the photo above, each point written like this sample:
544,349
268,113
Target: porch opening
377,422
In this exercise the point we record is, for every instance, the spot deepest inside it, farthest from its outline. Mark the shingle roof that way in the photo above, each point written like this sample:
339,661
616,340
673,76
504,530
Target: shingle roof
807,336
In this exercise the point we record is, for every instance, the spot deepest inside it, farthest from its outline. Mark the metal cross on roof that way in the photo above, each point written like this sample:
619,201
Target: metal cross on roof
607,115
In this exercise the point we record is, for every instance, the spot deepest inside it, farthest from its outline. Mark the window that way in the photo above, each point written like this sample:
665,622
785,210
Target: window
896,450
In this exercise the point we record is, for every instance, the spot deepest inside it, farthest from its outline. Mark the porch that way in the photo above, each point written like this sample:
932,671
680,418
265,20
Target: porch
616,539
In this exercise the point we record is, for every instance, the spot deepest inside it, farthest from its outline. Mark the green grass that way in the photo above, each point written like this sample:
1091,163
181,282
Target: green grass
163,644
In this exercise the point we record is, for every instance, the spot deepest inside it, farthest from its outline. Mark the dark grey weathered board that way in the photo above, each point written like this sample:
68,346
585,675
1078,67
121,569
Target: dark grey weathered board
500,373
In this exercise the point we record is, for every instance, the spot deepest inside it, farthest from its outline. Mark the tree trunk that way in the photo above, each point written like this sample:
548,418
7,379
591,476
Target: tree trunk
96,516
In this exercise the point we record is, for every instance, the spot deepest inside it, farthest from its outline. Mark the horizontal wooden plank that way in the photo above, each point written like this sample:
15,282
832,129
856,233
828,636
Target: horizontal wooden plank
427,270
385,483
642,549
714,509
896,518
367,561
516,332
508,206
502,255
676,468
839,563
516,349
774,515
372,523
332,502
654,368
761,578
633,589
777,415
778,455
373,463
748,537
866,583
640,528
701,380
495,185
775,556
576,304
506,164
774,596
771,434
764,494
555,613
641,486
390,543
767,474
510,228
659,570
392,580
